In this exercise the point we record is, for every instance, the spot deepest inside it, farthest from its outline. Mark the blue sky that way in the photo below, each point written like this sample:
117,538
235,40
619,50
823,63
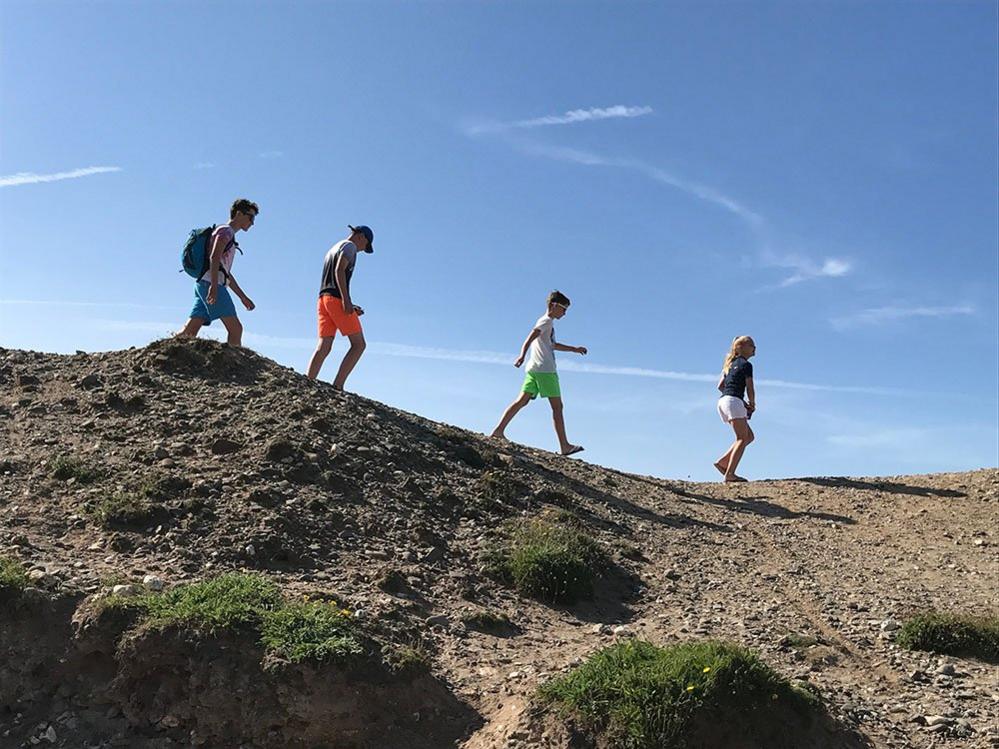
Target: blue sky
822,176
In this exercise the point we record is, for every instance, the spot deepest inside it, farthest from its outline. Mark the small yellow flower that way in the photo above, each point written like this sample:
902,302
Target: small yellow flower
345,612
690,688
706,669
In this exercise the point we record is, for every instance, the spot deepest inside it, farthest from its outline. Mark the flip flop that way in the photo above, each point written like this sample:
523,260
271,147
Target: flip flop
575,449
736,480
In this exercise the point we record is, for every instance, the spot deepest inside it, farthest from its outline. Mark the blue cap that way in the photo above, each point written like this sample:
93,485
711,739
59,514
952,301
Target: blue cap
368,234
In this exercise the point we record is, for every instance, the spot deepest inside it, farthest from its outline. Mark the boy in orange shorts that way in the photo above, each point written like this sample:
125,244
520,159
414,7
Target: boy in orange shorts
336,310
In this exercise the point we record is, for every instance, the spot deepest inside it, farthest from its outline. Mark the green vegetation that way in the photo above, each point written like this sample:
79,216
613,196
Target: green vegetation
487,621
224,602
799,641
496,489
639,696
65,467
406,658
296,630
549,557
13,577
121,509
309,631
952,634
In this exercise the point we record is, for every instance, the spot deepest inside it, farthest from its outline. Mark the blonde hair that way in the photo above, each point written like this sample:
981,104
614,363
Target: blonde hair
733,352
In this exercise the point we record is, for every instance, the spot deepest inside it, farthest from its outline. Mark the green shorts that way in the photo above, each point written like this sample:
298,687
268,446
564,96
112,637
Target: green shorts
544,384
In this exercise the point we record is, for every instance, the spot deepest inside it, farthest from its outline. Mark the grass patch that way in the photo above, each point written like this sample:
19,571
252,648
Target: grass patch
952,634
13,576
161,486
296,630
549,557
487,621
225,602
496,486
406,658
121,509
639,696
65,467
315,631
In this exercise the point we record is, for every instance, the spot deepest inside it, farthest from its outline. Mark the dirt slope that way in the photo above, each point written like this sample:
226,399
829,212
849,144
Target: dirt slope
250,466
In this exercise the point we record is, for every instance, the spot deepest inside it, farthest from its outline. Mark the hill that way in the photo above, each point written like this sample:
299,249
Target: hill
125,473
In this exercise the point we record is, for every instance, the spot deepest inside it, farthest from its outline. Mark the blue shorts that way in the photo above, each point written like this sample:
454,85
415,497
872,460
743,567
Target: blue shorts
223,306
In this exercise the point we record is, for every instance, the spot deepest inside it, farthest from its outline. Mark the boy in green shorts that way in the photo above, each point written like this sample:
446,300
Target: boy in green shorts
542,379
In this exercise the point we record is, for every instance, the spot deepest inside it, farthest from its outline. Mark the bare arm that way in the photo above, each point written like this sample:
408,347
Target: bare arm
247,302
214,261
341,283
523,349
751,393
570,349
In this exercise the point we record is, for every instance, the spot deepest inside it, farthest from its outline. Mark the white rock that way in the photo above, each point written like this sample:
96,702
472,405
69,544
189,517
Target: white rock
936,720
50,735
152,582
124,590
890,625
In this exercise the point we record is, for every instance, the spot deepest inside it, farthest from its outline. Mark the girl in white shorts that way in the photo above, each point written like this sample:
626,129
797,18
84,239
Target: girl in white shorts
735,384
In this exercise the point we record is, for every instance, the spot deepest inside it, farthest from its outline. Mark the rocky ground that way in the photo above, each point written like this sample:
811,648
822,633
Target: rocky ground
247,465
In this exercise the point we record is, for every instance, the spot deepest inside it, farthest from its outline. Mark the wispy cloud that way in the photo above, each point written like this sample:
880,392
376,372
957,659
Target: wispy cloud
271,154
802,268
882,315
30,178
703,192
497,358
569,118
70,303
880,438
204,165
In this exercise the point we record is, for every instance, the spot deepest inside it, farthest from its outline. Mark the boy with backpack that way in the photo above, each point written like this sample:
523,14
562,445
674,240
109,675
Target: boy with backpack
541,378
336,309
208,257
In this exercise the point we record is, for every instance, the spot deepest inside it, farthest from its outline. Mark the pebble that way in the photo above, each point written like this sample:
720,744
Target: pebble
152,582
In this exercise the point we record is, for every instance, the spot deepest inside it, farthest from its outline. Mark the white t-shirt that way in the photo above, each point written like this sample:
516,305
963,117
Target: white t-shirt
541,356
227,235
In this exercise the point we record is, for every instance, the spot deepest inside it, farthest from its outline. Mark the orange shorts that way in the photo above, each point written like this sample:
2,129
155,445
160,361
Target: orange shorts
332,318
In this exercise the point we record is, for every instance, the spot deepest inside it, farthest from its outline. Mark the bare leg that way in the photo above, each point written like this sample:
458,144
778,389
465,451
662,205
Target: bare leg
722,463
235,330
323,349
350,359
522,400
743,436
565,446
191,328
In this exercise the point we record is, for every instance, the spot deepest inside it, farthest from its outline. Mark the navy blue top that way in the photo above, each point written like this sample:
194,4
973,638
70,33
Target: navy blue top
735,380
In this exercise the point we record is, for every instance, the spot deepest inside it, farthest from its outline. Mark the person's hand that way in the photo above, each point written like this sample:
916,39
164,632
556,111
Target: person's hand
358,310
348,308
750,407
581,350
247,302
518,361
213,294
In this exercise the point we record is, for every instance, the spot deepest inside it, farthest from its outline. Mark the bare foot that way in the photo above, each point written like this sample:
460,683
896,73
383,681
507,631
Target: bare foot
497,436
572,450
721,468
733,479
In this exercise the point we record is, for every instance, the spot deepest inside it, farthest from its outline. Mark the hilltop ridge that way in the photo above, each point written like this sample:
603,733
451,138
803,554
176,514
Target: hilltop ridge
184,459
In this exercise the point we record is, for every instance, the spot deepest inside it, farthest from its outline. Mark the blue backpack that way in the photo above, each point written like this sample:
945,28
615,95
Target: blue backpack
196,254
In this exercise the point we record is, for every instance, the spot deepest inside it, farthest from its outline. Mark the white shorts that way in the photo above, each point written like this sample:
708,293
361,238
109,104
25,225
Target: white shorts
730,407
